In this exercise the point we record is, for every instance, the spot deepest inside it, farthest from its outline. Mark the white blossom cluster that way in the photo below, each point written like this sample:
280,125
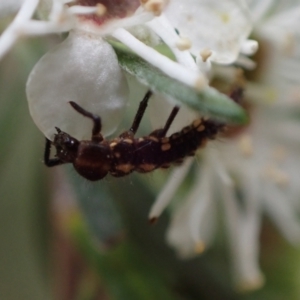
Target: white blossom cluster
260,163
207,38
71,70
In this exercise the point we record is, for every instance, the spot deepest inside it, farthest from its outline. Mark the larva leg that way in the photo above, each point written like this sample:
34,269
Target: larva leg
124,147
96,135
140,113
162,132
170,120
138,117
50,162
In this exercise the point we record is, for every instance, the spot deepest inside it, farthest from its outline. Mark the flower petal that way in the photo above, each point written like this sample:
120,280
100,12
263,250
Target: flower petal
281,66
169,190
282,213
243,231
220,26
193,223
82,69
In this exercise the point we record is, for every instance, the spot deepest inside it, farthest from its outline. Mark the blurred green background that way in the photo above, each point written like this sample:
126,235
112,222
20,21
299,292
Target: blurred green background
102,247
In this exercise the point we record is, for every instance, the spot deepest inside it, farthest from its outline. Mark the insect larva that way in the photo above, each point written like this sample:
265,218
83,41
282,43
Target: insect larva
94,159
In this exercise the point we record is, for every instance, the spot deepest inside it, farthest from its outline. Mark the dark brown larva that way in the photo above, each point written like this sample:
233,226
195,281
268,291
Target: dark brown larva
94,159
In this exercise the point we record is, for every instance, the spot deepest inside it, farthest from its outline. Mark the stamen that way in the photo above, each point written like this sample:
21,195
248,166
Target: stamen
101,9
43,27
26,11
245,62
283,213
10,36
166,65
273,173
205,54
183,44
169,190
163,28
155,6
250,285
249,47
289,44
200,247
198,220
243,237
58,12
246,145
221,170
204,67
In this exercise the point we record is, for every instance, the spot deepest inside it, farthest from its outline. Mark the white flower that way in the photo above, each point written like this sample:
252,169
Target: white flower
206,23
207,29
84,67
256,171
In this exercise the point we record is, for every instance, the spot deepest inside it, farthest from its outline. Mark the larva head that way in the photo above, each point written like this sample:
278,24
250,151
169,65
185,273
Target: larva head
66,146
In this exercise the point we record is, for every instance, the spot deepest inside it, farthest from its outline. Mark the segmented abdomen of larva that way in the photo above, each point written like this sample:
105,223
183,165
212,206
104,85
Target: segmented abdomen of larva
151,152
173,149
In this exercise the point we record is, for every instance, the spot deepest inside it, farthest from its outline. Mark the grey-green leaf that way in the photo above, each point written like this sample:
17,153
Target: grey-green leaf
209,101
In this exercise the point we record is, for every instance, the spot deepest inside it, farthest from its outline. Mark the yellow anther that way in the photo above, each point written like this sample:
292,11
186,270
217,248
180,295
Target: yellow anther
183,44
245,286
225,17
200,83
199,247
246,145
272,172
101,10
155,6
205,54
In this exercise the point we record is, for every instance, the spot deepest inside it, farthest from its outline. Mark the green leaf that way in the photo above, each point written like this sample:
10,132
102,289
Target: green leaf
24,230
209,101
98,209
125,270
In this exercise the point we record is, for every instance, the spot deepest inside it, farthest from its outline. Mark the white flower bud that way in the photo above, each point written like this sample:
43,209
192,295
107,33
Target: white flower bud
82,69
